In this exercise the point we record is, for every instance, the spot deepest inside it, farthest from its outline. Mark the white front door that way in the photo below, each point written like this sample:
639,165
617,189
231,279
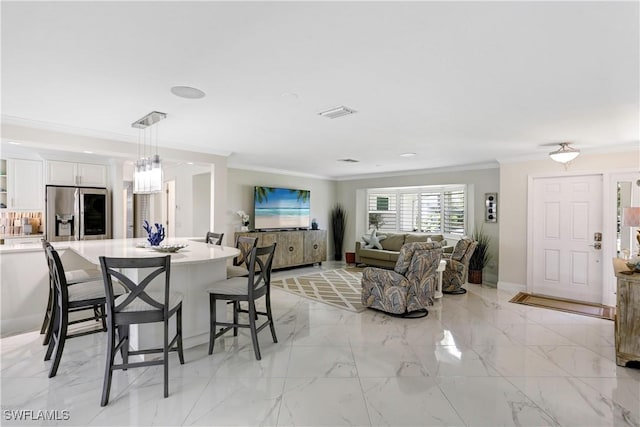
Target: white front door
566,224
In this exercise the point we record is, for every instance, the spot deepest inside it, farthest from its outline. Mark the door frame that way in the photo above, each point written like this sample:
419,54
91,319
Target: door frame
608,226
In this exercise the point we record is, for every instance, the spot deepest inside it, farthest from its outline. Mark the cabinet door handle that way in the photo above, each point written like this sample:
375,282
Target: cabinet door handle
315,246
290,248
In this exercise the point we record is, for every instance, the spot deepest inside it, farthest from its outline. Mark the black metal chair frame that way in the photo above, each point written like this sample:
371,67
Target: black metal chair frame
213,238
119,319
47,322
57,332
258,285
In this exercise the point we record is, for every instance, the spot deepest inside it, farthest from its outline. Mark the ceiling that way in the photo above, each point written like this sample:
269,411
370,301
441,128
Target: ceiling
457,83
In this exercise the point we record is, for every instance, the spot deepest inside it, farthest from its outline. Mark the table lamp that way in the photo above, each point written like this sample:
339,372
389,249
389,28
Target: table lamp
631,218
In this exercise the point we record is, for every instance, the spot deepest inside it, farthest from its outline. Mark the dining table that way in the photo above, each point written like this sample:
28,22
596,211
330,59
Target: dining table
195,265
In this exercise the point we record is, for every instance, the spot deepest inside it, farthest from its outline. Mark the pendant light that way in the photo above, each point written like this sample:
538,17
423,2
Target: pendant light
564,154
147,175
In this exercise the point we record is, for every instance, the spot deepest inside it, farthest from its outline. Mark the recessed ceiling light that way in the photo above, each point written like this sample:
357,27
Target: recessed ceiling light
14,143
189,163
187,92
290,95
407,154
88,152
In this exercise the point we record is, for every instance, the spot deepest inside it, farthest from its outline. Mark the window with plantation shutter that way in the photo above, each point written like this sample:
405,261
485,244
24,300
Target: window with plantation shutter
431,212
437,209
382,210
454,212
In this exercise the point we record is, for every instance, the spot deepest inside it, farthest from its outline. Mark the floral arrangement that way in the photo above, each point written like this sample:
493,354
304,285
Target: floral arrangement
154,238
244,217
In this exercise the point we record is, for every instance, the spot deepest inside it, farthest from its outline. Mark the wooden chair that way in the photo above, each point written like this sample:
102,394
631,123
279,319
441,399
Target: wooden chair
136,307
68,298
213,238
240,267
256,285
73,277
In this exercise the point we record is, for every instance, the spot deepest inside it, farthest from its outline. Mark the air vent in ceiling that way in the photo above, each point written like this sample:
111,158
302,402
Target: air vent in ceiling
349,160
336,112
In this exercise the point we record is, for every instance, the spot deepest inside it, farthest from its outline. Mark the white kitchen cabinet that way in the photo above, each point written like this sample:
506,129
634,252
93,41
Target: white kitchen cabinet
24,185
69,173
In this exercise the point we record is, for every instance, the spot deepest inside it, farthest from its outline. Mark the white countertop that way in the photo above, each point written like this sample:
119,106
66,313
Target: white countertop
196,252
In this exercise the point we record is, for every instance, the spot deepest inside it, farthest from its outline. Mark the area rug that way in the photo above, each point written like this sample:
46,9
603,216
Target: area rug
566,305
338,288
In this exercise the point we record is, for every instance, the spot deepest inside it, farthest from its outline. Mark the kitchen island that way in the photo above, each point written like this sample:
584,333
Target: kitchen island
193,269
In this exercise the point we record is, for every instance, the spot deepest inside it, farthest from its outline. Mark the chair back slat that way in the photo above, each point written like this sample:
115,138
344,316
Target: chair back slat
260,262
213,238
245,244
110,270
57,277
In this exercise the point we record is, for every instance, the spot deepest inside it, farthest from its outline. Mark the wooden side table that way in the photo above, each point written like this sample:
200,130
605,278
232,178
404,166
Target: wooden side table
627,329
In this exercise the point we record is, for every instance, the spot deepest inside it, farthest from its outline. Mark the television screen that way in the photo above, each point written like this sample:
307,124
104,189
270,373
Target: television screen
279,208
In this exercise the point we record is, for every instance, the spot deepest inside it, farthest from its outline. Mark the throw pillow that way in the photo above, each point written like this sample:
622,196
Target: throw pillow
373,241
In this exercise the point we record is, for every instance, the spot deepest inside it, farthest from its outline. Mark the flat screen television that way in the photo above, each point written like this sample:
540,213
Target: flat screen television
281,208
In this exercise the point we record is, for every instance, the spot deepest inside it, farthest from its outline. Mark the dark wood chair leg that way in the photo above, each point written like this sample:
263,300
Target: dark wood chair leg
123,333
179,332
165,357
270,317
60,341
236,309
212,322
108,372
46,323
252,326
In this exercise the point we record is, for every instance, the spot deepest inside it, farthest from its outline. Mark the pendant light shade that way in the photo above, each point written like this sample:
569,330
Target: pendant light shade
147,175
565,153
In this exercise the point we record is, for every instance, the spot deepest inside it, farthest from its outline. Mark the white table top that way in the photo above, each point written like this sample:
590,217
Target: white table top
196,252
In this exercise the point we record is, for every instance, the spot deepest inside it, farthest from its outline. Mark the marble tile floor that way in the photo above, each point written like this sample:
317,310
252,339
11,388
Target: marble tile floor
476,360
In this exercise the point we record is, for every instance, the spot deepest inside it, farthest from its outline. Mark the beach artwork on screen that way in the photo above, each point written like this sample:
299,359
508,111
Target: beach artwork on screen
281,208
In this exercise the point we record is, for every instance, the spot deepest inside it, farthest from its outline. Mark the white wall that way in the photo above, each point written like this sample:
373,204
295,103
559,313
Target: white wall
351,193
513,221
240,196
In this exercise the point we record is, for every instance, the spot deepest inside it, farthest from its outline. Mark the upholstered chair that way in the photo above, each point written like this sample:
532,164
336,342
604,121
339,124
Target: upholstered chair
455,274
407,289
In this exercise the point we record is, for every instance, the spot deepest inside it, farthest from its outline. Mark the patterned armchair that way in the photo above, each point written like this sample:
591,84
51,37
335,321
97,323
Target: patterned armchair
455,274
407,289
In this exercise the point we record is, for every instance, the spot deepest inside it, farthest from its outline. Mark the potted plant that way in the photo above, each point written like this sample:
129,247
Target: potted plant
338,226
480,257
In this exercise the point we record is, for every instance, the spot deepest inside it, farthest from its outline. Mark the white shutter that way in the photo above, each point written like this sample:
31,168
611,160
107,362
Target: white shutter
382,204
454,212
409,212
431,212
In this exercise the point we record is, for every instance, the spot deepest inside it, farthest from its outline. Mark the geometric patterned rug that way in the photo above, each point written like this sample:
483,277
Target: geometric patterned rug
566,305
339,288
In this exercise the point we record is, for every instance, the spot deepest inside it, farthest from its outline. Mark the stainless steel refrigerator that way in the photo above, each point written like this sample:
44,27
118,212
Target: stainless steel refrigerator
78,213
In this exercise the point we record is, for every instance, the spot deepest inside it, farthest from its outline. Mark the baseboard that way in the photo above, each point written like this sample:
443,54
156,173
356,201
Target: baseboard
20,325
511,287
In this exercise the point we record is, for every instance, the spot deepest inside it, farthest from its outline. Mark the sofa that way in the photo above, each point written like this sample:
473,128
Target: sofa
388,255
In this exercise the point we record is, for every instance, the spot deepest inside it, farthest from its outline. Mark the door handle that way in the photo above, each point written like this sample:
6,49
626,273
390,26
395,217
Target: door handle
596,245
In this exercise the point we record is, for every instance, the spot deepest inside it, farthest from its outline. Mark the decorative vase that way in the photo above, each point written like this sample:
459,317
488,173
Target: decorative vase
475,277
244,228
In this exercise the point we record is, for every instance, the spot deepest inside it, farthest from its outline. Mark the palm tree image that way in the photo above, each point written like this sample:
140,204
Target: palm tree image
261,194
302,195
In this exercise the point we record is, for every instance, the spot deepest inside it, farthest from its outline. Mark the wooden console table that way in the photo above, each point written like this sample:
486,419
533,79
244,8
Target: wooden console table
294,248
627,329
